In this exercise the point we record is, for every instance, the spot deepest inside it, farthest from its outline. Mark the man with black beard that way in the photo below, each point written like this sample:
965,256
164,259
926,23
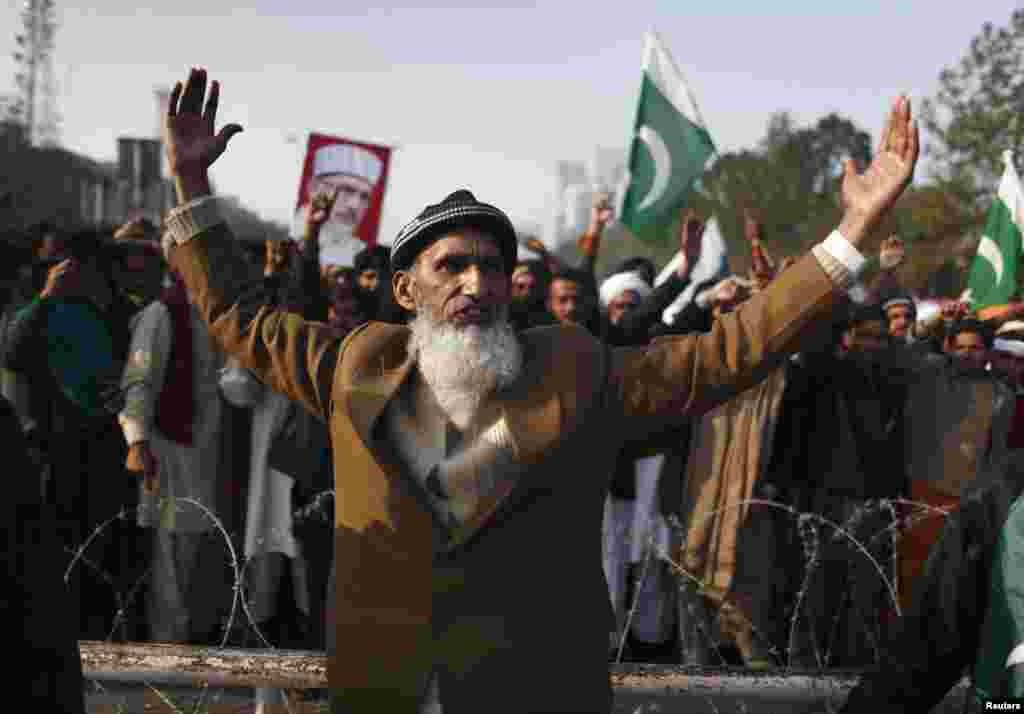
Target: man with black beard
530,280
373,285
470,462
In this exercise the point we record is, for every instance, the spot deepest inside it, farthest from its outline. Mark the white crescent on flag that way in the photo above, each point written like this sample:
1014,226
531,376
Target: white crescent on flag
988,250
1016,657
662,165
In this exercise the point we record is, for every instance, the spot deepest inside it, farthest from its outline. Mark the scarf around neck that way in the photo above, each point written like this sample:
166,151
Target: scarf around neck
176,408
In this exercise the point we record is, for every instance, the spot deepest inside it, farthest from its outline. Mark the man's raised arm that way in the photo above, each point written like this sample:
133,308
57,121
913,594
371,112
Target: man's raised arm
284,351
691,374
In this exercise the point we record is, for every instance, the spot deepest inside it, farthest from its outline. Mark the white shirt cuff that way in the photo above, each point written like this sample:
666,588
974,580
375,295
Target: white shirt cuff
843,251
840,260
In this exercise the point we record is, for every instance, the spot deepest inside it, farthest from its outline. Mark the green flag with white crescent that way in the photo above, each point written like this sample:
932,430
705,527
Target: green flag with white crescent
669,151
993,277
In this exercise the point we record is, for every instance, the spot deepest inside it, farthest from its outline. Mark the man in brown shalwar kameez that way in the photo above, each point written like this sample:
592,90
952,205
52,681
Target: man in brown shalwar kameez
471,461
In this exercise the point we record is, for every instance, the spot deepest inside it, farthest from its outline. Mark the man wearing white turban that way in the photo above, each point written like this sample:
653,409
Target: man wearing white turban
622,293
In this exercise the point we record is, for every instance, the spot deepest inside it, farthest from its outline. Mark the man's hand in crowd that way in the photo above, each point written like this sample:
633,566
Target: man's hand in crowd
726,293
321,204
892,253
536,246
691,231
1016,310
276,256
953,311
600,214
189,135
751,228
63,280
868,196
141,461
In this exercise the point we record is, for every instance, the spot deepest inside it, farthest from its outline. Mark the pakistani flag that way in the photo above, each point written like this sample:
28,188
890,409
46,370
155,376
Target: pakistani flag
993,278
670,148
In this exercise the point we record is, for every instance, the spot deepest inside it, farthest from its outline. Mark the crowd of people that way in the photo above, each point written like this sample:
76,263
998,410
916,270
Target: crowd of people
792,442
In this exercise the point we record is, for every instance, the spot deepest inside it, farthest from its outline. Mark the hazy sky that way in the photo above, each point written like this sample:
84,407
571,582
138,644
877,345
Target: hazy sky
481,97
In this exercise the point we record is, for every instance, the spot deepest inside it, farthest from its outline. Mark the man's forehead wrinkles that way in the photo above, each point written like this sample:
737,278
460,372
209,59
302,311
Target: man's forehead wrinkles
464,246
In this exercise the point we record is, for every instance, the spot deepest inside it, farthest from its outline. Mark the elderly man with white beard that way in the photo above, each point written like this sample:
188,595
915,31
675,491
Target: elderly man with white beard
471,463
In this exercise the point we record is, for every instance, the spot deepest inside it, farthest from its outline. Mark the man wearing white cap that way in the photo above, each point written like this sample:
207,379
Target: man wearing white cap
622,293
354,172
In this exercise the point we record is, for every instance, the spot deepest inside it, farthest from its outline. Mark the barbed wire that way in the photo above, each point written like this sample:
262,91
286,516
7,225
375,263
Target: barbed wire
318,510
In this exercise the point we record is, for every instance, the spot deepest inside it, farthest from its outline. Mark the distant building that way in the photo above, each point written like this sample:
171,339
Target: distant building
69,189
577,182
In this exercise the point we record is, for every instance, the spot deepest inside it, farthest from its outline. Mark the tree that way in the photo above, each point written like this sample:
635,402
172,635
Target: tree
790,182
976,114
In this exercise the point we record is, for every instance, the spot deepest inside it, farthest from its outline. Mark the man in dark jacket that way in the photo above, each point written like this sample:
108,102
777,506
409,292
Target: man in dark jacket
34,601
965,615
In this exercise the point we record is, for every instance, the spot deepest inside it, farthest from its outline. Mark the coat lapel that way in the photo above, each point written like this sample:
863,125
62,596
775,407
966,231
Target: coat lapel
365,404
532,409
533,413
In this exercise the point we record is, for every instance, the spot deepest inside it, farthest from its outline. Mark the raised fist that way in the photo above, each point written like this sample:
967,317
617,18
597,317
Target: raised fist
602,212
691,231
751,228
892,253
321,204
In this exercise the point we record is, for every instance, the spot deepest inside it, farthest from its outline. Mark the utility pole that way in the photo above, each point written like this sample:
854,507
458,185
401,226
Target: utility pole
35,106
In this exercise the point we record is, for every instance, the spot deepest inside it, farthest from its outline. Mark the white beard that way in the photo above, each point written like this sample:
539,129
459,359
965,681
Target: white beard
338,241
334,233
463,366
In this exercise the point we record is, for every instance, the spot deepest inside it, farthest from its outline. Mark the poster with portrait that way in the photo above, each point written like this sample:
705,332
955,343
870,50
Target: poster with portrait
359,171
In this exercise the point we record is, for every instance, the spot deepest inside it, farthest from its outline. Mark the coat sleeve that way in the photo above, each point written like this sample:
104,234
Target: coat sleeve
286,352
21,349
687,375
304,293
937,638
145,371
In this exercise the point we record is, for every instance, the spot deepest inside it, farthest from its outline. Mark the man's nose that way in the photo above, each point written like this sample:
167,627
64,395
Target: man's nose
472,281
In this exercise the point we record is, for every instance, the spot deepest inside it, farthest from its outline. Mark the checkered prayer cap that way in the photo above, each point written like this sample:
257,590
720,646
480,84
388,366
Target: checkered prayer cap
458,210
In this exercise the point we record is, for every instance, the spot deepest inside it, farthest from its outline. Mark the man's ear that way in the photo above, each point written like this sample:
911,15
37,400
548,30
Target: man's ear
402,284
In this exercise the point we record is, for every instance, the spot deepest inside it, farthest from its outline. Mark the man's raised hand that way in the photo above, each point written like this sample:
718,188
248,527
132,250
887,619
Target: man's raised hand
321,204
190,138
868,196
601,212
691,230
751,228
892,253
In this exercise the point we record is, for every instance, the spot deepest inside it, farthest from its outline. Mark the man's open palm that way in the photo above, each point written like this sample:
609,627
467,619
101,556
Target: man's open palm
872,193
189,127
